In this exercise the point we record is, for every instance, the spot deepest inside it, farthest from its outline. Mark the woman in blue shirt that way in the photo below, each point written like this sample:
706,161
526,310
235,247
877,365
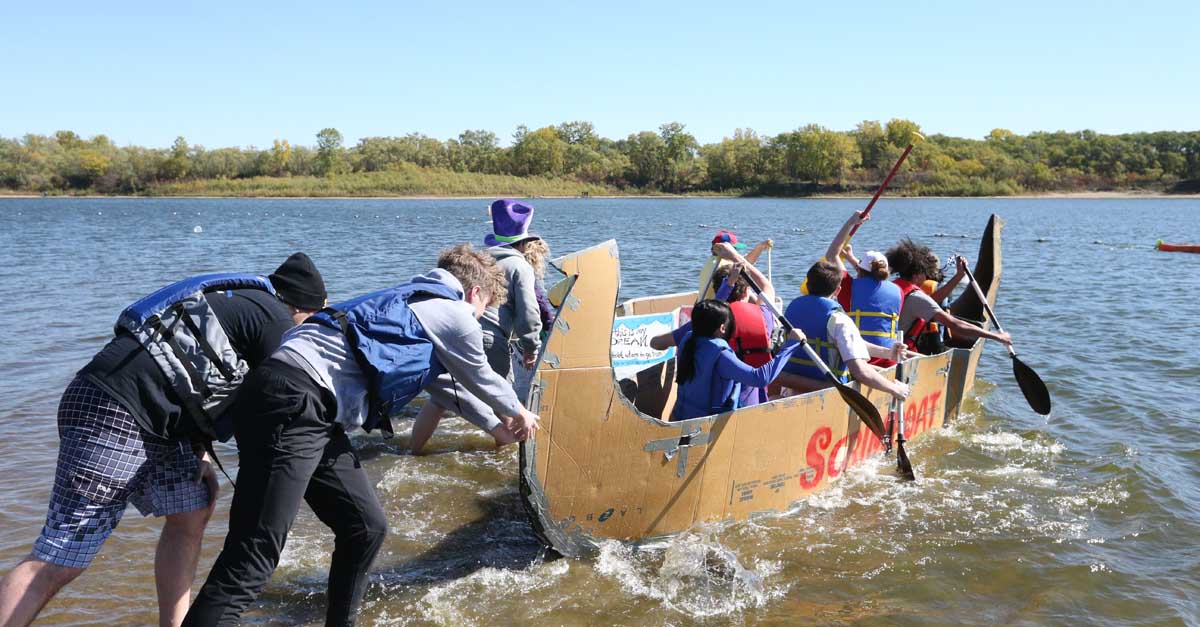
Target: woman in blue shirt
708,372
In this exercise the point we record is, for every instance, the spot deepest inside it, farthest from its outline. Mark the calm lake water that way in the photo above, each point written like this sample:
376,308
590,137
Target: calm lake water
1088,516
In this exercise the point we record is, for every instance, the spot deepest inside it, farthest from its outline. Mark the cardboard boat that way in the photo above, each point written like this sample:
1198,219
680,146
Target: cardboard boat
604,466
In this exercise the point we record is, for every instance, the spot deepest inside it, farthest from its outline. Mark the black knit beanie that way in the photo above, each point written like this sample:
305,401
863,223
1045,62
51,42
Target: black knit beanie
299,284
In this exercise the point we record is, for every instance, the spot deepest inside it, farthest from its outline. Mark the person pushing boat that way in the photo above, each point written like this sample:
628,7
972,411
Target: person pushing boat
127,419
512,326
352,365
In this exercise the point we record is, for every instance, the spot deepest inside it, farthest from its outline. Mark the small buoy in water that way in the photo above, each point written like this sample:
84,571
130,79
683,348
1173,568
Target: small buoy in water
99,213
197,229
1043,240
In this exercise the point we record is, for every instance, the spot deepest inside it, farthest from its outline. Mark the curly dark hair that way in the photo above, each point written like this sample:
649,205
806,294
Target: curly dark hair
908,258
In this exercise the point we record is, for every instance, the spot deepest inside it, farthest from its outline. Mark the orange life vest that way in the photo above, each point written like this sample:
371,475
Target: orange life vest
929,287
750,341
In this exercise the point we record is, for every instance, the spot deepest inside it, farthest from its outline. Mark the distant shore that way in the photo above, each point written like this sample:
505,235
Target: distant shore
1131,194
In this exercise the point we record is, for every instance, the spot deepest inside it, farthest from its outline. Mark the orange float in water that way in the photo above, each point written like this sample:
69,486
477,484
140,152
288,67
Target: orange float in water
1177,248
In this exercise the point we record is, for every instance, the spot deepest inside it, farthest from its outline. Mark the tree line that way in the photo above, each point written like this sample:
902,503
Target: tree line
807,160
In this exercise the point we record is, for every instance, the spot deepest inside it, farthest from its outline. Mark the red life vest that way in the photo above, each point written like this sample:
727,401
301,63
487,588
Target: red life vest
750,341
918,326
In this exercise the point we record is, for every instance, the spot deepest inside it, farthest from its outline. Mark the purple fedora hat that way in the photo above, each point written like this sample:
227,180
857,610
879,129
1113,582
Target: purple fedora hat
510,223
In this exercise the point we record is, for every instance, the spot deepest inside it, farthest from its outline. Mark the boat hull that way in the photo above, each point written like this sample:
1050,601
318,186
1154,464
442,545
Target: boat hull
604,467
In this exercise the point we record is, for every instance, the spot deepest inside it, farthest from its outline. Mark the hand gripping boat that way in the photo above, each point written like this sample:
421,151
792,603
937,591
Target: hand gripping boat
604,466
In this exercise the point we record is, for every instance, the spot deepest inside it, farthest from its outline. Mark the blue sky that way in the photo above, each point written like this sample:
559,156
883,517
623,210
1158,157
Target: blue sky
239,74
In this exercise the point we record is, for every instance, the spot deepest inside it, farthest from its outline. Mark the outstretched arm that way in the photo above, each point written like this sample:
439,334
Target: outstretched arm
758,250
833,253
867,375
725,251
965,329
730,367
943,292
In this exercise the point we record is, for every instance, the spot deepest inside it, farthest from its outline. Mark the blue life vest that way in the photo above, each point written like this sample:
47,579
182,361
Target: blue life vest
179,329
390,345
875,309
811,314
706,393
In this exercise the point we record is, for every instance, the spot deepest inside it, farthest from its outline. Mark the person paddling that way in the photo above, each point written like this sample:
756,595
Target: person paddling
126,420
754,325
352,365
834,337
915,264
708,371
870,300
708,283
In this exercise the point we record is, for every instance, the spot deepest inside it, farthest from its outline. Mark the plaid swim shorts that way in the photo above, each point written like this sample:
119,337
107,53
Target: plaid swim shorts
105,462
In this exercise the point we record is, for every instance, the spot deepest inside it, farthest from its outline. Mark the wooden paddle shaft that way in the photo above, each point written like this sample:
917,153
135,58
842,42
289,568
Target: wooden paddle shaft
883,186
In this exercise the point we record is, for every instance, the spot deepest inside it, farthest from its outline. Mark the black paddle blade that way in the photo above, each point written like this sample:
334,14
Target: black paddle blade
1032,387
903,466
861,406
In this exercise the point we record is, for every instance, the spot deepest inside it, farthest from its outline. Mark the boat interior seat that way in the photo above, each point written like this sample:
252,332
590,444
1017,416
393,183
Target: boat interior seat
653,392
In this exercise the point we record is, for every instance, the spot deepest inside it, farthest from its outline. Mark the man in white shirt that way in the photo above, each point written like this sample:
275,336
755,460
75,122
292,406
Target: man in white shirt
835,338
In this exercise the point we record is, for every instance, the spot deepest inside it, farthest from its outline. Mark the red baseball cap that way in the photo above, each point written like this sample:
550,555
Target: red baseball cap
727,237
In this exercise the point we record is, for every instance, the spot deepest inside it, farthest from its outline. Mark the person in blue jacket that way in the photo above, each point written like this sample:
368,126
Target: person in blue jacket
352,365
708,372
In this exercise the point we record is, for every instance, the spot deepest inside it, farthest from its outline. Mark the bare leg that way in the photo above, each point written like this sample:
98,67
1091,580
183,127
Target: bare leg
27,589
175,563
424,426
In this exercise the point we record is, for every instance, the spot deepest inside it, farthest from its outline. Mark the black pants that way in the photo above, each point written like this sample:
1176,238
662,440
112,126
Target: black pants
290,448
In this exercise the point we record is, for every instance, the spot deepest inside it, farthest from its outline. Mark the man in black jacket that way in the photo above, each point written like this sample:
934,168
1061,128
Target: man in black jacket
126,437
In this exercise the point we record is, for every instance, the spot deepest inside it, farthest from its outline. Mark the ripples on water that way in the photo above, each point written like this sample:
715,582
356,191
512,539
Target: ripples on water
1088,516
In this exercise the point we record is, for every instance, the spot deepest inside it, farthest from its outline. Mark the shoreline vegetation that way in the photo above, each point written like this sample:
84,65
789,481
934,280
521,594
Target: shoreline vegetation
571,160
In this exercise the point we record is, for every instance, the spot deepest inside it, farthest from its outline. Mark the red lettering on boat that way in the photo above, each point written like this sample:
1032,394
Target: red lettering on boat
813,455
833,469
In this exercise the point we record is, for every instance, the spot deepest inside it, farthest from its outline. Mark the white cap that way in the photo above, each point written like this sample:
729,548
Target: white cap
870,258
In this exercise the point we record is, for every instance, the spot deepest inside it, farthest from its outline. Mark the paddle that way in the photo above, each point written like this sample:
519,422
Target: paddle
917,137
903,466
857,402
882,186
1031,384
708,282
